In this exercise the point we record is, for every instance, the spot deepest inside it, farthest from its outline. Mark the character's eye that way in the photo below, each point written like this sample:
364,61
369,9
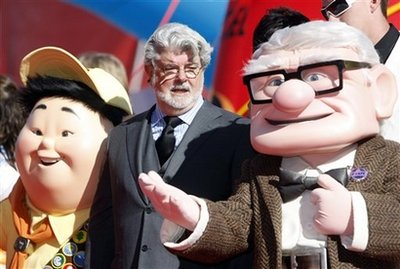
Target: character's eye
276,82
314,77
66,133
37,132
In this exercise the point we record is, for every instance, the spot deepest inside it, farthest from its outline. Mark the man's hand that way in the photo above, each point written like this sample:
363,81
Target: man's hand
171,202
334,214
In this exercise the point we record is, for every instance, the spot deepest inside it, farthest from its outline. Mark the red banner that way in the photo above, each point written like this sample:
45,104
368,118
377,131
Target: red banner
28,25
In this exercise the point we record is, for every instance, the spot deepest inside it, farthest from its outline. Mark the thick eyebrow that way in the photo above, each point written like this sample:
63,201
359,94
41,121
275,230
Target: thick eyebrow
67,109
41,106
64,108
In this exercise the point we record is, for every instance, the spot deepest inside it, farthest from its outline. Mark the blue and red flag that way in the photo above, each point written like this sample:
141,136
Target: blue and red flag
113,26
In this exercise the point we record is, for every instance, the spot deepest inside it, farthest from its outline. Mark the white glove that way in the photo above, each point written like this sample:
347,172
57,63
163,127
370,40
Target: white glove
171,202
334,214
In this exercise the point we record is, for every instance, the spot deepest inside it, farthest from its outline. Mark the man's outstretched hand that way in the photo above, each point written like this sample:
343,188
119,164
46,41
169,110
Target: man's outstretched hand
171,202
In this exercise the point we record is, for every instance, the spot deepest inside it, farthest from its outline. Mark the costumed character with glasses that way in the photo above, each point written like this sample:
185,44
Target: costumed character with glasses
324,191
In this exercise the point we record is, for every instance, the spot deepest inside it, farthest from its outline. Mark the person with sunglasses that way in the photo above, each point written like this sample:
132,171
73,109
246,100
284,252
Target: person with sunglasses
324,190
370,17
195,145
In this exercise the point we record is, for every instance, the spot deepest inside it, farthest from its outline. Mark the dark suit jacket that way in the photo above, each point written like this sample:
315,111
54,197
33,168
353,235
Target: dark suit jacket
205,164
255,212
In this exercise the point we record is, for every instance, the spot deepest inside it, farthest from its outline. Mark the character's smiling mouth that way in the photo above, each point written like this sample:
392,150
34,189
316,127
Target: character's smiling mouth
49,162
286,122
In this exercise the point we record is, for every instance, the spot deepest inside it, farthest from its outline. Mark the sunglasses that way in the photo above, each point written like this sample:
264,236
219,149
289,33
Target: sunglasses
336,8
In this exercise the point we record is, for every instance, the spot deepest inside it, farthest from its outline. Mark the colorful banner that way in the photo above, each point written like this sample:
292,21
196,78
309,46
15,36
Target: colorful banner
121,28
113,26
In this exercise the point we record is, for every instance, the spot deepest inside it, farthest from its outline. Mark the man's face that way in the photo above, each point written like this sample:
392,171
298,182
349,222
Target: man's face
296,121
352,12
59,154
178,82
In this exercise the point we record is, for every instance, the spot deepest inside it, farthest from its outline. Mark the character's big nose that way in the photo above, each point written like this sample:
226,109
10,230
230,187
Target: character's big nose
293,96
47,142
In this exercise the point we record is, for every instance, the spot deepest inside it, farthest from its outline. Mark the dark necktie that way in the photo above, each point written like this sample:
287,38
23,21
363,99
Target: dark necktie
166,143
292,184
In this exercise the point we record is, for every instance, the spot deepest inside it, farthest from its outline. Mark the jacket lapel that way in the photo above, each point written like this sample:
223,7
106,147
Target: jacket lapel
365,160
198,131
142,156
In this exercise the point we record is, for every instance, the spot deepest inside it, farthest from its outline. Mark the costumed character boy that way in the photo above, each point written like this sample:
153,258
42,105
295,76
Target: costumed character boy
318,93
59,155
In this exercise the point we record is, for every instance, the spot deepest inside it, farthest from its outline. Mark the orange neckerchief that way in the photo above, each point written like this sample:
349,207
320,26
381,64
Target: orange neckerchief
22,221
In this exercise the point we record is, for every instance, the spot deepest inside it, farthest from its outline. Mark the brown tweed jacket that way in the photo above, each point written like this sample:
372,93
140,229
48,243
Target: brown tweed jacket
252,217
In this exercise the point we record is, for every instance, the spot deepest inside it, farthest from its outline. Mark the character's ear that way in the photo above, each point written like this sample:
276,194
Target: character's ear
384,91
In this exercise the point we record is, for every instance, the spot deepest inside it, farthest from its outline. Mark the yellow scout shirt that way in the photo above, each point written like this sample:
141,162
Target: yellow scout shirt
63,227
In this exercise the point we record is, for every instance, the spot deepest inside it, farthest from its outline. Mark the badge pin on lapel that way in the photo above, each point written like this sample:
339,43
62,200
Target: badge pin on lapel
358,174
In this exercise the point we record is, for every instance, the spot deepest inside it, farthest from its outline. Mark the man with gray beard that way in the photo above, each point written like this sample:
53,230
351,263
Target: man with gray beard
193,144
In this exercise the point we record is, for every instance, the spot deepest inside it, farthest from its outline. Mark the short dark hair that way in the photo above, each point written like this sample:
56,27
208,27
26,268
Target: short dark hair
12,118
275,19
41,87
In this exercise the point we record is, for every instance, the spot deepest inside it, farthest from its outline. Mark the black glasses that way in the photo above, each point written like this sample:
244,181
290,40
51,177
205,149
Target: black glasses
336,8
324,78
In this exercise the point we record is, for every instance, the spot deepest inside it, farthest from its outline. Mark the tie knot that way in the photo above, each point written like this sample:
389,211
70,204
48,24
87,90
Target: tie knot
165,144
172,121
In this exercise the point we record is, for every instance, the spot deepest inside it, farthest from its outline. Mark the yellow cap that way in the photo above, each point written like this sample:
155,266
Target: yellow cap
59,63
